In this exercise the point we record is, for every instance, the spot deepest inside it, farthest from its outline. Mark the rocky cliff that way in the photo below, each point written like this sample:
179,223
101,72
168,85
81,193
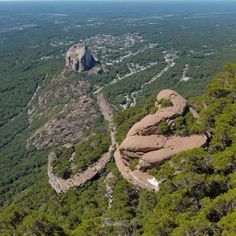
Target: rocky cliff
62,112
61,185
79,58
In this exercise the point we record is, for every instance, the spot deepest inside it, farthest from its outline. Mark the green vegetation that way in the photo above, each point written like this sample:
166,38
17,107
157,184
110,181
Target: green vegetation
198,192
201,72
197,195
62,165
181,126
163,128
74,160
202,194
90,151
124,120
165,103
162,103
115,93
133,163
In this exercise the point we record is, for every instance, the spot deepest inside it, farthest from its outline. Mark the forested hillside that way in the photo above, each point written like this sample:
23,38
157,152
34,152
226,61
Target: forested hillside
46,108
197,195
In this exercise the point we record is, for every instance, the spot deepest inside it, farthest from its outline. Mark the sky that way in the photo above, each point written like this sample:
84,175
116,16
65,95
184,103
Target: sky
124,0
121,0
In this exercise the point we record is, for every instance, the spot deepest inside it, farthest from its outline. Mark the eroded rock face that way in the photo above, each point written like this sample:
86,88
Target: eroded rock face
173,145
151,149
79,58
140,143
61,113
69,125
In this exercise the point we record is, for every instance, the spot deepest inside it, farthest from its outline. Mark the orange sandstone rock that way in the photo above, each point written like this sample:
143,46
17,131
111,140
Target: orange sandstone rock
152,149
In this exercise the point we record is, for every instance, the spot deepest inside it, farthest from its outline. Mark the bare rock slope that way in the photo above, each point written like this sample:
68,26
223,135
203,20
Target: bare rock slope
62,112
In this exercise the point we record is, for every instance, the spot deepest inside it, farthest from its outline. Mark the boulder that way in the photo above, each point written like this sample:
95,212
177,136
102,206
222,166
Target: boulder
179,103
178,108
143,143
173,146
147,122
79,58
151,149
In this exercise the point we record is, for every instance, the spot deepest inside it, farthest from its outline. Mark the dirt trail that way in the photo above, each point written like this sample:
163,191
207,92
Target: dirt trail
99,90
109,188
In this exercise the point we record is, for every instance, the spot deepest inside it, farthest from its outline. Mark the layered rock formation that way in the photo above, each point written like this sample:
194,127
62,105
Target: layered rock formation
178,107
151,149
79,58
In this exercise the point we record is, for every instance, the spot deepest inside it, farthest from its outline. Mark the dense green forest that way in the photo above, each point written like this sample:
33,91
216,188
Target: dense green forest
86,154
198,191
197,195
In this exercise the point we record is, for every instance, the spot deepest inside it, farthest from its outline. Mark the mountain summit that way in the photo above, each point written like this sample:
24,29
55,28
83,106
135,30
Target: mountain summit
79,58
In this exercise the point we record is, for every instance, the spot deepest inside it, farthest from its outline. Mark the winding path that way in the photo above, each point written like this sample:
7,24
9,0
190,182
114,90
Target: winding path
170,63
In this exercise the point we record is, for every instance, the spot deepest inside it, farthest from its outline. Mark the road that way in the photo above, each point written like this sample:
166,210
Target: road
170,63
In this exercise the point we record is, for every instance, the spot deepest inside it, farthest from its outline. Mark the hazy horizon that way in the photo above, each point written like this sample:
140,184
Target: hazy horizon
161,1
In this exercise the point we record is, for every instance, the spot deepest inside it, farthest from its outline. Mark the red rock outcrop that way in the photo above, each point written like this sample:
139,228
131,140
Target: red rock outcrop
143,143
178,107
153,150
136,177
174,145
